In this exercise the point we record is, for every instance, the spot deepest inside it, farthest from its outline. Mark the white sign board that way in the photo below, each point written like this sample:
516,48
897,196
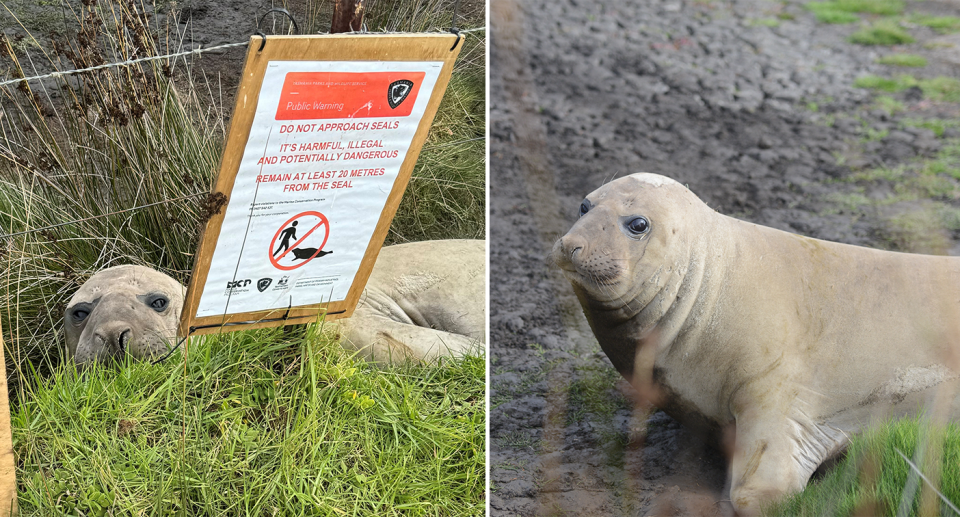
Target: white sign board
324,138
326,145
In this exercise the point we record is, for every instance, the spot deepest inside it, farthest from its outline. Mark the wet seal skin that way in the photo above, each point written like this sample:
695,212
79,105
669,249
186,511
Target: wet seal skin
796,343
120,310
424,300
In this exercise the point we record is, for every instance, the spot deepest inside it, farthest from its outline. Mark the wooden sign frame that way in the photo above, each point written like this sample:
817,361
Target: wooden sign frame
339,47
8,469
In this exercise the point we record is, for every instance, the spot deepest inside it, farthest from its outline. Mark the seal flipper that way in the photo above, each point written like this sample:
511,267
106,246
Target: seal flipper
776,456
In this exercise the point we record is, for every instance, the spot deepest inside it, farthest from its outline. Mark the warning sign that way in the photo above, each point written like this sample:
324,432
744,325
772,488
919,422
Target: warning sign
327,143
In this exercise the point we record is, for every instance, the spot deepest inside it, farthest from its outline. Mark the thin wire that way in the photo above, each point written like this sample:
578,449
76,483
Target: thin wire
34,230
453,22
927,481
121,63
243,244
448,144
155,58
171,351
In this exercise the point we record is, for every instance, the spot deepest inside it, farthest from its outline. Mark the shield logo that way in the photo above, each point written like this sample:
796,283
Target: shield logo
398,91
263,284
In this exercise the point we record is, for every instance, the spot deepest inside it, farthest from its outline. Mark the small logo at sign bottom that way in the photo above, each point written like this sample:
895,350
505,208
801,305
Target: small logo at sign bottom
263,284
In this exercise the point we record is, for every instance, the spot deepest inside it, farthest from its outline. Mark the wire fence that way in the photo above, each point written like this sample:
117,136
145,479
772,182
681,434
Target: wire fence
130,62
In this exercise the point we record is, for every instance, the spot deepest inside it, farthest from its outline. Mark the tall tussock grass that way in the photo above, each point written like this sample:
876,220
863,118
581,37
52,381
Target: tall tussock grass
84,146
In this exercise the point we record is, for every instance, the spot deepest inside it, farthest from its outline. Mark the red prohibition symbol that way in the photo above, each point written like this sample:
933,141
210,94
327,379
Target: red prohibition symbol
288,231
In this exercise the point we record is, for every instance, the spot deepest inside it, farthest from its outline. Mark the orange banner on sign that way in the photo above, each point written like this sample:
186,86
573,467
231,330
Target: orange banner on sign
326,95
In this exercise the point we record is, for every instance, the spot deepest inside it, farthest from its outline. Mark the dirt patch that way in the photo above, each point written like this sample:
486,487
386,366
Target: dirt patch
752,104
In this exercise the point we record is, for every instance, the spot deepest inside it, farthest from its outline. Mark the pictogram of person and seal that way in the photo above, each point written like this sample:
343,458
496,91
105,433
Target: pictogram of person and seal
289,251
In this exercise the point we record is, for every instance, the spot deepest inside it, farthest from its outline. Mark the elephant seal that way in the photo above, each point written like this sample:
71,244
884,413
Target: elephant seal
793,342
423,300
123,309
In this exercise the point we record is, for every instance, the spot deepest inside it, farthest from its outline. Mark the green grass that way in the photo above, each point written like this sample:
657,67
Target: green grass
921,211
880,173
763,22
849,202
937,125
445,197
941,89
827,12
945,89
889,104
906,60
254,423
842,11
883,32
872,476
875,82
942,24
591,393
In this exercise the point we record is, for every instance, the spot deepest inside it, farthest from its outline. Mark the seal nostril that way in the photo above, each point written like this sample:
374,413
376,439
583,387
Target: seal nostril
123,340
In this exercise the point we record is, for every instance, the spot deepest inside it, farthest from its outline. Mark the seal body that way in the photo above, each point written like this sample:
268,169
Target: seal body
423,300
123,309
796,342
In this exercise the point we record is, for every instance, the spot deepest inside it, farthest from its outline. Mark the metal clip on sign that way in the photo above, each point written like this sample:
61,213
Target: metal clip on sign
263,36
453,25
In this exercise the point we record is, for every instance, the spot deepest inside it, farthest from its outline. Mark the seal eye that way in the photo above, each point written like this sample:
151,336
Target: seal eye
584,208
80,315
159,303
638,225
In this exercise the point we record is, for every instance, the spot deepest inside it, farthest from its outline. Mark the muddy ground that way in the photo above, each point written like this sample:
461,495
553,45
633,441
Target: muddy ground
751,104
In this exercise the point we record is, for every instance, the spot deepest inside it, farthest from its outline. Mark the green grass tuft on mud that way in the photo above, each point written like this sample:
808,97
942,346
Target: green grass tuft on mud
942,89
883,32
905,60
937,125
828,12
875,82
763,22
254,423
941,24
945,89
917,200
889,104
870,480
842,11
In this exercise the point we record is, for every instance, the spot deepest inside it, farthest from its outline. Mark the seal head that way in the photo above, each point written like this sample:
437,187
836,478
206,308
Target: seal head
633,250
618,238
123,309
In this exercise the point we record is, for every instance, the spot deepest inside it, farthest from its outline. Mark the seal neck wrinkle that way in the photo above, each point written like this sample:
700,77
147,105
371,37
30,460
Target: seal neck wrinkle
657,311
